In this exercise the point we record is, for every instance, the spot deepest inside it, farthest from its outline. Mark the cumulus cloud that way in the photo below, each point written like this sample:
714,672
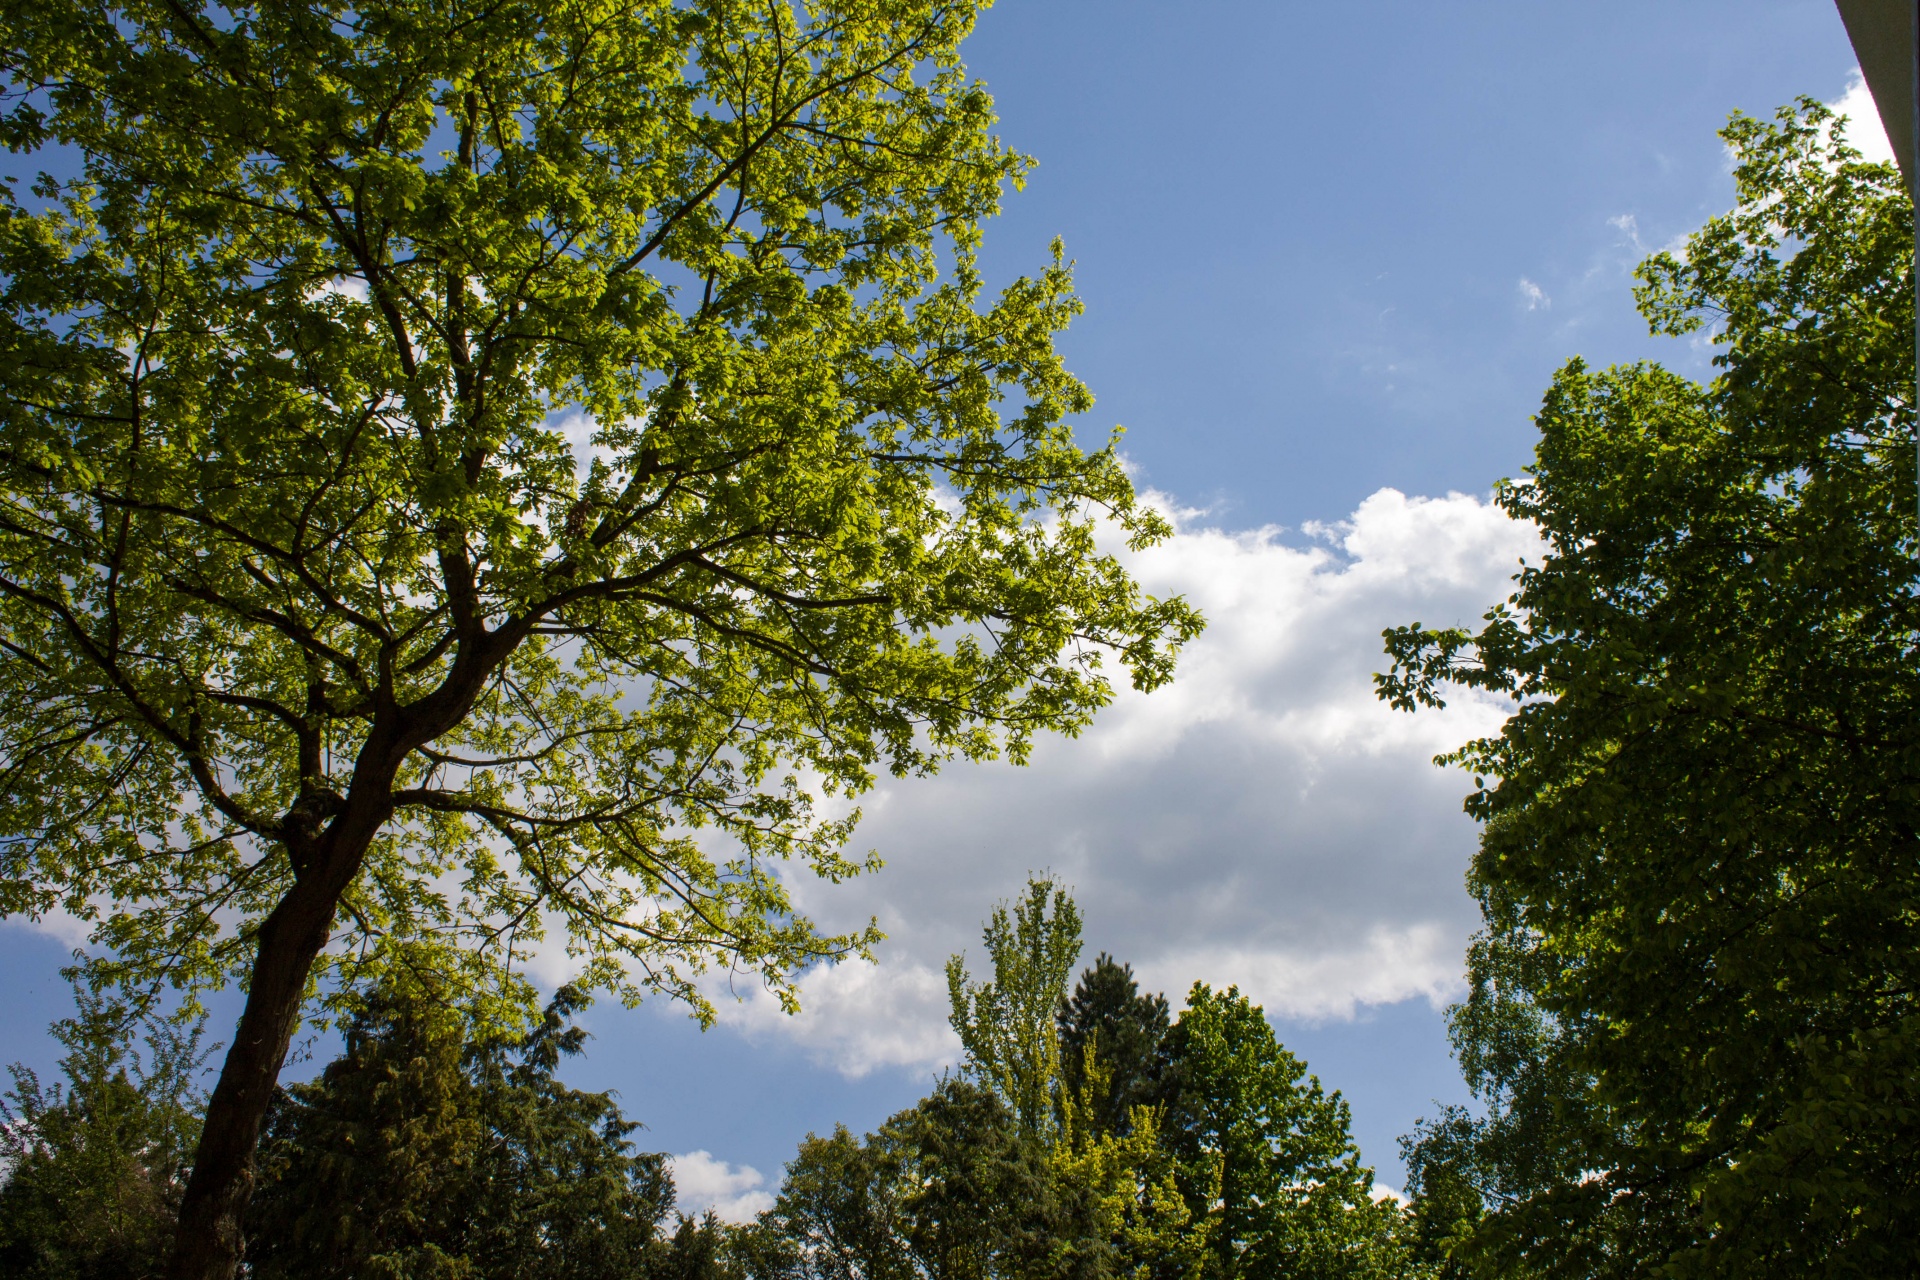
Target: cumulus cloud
1264,821
734,1192
861,1016
1864,130
1532,296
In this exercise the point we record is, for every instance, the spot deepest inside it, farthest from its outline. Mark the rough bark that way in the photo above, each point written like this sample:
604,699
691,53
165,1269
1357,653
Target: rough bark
209,1239
326,838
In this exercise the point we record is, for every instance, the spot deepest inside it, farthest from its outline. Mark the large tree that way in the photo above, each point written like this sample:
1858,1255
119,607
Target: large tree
1693,1017
475,469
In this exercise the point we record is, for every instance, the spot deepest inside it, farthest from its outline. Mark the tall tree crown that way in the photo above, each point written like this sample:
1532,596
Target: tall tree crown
1006,1025
1692,1018
505,438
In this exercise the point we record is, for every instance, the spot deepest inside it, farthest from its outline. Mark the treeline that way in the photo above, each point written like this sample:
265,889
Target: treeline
1086,1134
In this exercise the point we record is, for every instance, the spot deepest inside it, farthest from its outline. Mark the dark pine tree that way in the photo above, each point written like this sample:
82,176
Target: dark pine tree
1128,1031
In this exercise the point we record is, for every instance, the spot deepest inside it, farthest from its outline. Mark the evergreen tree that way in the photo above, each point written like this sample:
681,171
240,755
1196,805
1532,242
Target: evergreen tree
418,1154
94,1167
1125,1030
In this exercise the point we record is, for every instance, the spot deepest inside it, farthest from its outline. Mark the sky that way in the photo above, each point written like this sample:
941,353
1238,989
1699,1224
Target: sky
1331,255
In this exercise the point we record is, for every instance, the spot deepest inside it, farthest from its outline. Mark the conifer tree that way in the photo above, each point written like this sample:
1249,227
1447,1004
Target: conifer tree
1108,1017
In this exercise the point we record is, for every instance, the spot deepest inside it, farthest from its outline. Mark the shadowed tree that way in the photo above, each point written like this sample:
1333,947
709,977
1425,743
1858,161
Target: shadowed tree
1127,1032
463,464
1692,1021
420,1153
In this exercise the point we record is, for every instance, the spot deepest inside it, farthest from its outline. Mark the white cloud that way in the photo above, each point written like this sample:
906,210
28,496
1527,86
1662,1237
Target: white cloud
1264,821
1864,130
1532,296
734,1192
860,1016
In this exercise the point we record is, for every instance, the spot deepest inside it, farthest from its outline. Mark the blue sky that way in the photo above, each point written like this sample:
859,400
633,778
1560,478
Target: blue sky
1331,254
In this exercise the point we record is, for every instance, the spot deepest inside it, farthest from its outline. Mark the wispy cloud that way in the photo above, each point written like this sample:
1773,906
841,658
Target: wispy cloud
1532,296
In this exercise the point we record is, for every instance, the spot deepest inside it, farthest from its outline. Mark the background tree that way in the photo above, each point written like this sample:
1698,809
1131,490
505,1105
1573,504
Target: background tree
1692,1018
954,1188
462,460
421,1153
1125,1030
91,1171
1272,1165
1007,1026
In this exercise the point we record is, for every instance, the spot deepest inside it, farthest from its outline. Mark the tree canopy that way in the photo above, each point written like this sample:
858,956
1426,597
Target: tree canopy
1006,1024
1200,1149
1692,1020
1270,1162
472,470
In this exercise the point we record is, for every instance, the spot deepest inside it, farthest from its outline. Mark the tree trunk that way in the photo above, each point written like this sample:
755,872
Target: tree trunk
209,1241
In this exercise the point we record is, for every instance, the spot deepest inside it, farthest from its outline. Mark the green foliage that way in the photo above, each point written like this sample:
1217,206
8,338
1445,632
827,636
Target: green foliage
956,1188
953,1188
1691,1019
93,1169
1162,1154
1125,1032
1006,1171
1270,1157
1007,1026
464,463
419,1154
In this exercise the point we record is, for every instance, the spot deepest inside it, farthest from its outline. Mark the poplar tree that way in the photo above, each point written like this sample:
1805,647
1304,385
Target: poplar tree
1006,1024
469,470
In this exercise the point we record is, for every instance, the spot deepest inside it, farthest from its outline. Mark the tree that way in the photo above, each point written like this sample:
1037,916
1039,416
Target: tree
1692,1018
463,463
1001,1171
93,1170
953,1188
1106,1016
419,1153
956,1188
1283,1188
1006,1026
